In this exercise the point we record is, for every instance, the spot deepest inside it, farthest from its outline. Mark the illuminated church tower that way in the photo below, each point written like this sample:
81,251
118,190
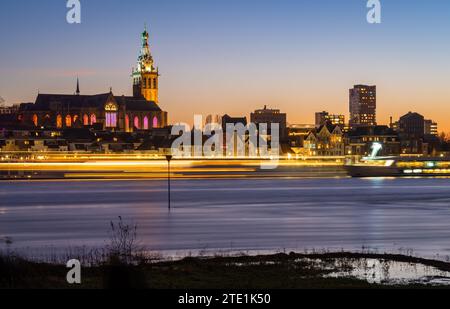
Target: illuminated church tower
145,76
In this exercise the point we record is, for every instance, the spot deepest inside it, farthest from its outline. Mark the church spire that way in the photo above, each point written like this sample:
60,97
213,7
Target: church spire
145,75
78,86
145,59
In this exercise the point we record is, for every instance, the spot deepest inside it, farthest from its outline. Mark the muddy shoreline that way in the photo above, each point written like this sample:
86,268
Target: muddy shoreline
277,271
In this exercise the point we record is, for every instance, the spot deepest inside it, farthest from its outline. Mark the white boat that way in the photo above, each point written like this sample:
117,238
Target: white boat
400,166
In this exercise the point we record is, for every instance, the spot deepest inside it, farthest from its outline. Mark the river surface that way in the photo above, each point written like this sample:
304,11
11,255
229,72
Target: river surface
409,216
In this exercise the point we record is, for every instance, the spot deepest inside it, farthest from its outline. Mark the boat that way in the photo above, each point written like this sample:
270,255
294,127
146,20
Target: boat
374,166
400,166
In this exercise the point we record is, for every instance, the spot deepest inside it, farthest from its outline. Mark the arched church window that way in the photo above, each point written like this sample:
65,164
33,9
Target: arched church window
59,122
111,115
127,123
111,120
35,120
144,83
155,122
150,83
155,84
85,120
93,119
68,121
145,123
136,122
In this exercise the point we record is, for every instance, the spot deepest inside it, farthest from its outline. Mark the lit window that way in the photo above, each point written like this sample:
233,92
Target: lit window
59,122
86,120
35,120
155,122
93,119
111,120
68,121
127,123
145,123
136,122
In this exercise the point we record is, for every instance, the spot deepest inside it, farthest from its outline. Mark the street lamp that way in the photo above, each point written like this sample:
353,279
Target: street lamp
168,158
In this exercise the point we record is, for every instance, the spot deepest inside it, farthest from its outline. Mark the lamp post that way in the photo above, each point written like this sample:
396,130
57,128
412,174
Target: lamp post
168,158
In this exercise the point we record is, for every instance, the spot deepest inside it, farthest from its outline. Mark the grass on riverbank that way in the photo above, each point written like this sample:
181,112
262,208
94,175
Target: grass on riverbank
278,271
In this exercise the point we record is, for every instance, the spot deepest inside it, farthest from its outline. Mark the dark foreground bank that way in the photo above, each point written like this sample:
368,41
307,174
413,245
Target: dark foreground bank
279,271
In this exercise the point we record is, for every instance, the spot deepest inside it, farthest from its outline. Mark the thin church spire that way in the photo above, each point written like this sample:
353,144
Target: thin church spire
78,86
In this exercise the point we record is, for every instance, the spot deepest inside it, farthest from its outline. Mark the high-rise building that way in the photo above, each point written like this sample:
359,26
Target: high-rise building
431,128
363,106
324,117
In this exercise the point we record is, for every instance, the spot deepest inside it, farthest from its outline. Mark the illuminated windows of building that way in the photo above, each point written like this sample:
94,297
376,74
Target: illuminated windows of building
111,115
111,120
59,122
363,104
85,120
127,123
68,121
146,72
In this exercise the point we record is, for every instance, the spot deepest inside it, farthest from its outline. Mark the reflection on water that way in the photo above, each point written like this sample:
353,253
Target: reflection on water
385,215
389,272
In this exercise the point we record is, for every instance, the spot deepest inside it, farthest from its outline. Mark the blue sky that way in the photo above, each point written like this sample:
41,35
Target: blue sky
237,55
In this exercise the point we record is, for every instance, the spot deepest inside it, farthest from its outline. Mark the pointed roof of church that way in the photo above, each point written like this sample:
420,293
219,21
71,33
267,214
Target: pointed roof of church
78,87
145,60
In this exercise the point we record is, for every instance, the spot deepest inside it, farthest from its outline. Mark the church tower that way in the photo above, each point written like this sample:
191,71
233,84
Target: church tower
145,76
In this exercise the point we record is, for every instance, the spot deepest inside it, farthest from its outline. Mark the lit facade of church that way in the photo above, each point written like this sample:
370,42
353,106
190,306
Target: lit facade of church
105,111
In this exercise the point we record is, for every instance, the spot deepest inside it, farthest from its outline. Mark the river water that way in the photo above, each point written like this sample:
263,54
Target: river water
380,215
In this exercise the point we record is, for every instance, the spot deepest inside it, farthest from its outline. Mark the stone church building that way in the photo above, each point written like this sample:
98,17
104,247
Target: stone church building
103,111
